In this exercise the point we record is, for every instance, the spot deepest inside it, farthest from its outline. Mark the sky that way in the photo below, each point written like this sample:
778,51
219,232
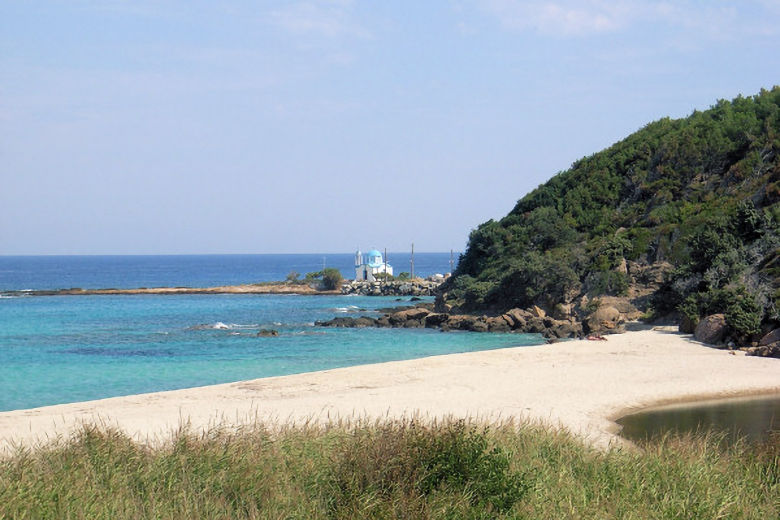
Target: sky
162,127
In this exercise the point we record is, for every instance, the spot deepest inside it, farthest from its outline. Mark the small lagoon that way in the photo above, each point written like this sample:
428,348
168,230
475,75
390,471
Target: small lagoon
753,419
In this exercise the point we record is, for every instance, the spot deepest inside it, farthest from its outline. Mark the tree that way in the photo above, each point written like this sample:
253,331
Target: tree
293,276
331,278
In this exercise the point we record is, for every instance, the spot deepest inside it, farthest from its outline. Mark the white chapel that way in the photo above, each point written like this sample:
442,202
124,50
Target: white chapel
374,266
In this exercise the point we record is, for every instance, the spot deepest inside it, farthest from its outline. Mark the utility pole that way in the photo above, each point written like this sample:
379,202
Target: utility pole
451,262
412,261
385,267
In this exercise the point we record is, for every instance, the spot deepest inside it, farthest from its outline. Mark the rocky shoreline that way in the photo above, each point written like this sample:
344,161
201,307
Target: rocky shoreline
417,287
425,316
609,317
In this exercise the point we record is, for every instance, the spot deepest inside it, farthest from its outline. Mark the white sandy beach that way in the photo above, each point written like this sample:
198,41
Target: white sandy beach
578,385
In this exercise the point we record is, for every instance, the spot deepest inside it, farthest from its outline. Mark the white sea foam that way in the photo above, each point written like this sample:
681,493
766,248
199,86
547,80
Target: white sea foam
224,326
348,308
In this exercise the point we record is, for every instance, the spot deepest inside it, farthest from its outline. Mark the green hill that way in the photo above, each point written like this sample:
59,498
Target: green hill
695,199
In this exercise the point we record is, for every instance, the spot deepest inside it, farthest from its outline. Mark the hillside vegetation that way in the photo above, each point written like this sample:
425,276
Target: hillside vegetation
681,216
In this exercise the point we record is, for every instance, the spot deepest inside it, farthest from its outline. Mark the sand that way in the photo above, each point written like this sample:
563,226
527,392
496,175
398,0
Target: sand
581,386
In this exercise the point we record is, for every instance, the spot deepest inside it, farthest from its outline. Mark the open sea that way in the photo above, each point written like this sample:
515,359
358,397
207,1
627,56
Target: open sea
60,349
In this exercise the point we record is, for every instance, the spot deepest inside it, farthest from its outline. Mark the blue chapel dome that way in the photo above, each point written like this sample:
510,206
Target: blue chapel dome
374,258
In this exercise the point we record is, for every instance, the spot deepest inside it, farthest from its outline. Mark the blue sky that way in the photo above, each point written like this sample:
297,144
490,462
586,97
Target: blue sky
140,127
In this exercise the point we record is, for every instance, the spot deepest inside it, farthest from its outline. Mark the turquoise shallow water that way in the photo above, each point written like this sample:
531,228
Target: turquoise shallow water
75,348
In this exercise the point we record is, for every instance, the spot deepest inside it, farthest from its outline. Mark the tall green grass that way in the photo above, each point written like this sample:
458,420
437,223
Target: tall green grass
393,469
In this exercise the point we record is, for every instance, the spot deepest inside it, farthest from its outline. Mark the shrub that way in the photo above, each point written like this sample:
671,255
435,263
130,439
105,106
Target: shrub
749,222
608,282
331,278
459,457
707,244
744,315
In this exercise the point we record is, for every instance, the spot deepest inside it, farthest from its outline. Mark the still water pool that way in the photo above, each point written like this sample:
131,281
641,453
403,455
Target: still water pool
755,419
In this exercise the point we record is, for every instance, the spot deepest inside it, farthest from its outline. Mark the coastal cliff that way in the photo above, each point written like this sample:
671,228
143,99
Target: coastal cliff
677,222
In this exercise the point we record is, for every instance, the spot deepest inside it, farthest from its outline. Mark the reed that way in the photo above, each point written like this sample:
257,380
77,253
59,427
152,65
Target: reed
388,469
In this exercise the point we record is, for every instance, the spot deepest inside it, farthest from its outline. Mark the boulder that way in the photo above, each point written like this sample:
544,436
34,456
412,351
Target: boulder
711,329
498,324
268,333
563,311
384,321
624,306
537,311
772,337
463,322
605,319
417,313
516,318
479,325
434,320
348,322
566,329
535,325
768,350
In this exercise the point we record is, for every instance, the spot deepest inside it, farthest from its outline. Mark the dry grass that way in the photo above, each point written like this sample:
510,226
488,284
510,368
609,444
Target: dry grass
391,469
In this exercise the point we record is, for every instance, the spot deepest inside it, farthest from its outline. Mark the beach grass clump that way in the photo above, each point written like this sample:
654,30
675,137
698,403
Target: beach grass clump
389,469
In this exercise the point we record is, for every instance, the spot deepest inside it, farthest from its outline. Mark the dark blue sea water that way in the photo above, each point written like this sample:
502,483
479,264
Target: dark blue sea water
128,272
58,349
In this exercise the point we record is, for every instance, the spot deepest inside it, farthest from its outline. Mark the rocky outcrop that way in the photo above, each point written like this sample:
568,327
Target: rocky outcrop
348,322
768,346
605,319
770,350
770,338
533,320
417,287
268,333
711,329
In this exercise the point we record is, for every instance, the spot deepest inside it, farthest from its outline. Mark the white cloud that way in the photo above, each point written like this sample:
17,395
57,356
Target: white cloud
716,19
329,18
560,17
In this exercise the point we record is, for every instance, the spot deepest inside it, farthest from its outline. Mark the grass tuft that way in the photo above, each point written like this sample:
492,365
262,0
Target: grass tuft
392,469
